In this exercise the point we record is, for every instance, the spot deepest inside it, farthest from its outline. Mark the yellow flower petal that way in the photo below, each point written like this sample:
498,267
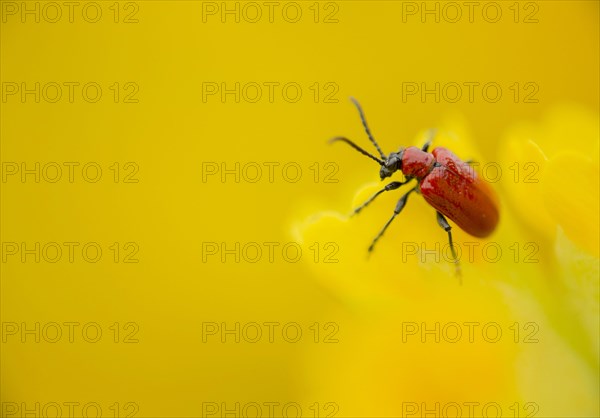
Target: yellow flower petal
553,289
569,127
524,164
571,192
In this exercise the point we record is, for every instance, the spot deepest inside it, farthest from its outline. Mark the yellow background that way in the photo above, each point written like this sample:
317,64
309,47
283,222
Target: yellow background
169,53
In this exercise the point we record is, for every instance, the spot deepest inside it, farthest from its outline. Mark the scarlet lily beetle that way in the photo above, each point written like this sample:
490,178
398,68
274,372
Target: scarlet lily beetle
446,182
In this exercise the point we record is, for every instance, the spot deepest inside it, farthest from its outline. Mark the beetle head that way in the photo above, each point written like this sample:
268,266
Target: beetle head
391,164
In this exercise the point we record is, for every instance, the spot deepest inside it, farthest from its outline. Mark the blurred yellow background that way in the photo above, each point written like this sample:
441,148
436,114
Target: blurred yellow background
141,106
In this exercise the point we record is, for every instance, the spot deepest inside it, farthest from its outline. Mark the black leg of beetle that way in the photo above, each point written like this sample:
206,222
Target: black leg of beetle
391,186
446,227
429,141
399,206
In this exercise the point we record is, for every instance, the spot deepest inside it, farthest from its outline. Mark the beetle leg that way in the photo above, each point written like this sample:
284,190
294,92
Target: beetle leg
446,227
391,186
399,206
432,133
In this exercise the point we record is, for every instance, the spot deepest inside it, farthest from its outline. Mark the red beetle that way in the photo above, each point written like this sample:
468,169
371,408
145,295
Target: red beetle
446,182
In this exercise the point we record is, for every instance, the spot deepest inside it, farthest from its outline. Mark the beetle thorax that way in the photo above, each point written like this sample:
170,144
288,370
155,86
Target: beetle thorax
416,162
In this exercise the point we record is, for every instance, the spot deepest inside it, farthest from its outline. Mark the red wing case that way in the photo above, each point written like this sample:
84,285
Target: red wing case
460,194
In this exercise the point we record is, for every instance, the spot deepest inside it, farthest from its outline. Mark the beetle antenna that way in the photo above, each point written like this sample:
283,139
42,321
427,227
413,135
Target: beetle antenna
356,147
364,122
